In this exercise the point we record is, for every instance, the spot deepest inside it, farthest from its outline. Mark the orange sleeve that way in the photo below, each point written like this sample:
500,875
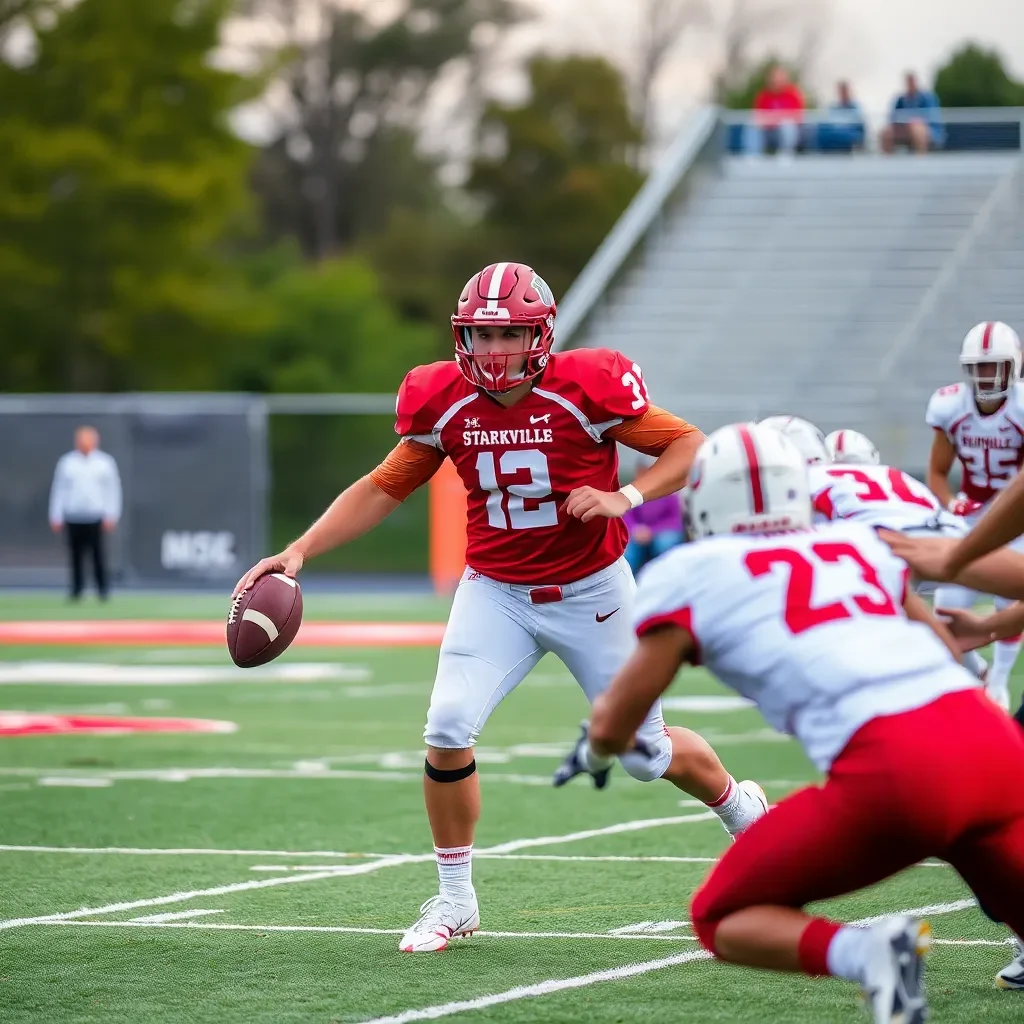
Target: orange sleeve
652,432
408,465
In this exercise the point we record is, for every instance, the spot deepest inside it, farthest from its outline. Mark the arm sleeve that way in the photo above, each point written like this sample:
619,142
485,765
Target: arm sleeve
409,465
652,432
113,499
57,494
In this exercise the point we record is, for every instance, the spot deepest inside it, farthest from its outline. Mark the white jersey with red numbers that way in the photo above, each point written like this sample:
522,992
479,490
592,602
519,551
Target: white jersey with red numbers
990,447
877,496
520,463
809,625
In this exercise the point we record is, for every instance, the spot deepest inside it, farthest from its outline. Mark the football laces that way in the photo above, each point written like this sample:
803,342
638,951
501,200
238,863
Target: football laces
235,602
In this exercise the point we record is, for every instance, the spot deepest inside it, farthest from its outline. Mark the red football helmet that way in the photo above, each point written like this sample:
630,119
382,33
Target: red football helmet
504,294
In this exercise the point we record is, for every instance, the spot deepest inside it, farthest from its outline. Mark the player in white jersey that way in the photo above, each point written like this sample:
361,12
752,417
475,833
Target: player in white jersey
809,441
981,423
887,498
851,448
818,627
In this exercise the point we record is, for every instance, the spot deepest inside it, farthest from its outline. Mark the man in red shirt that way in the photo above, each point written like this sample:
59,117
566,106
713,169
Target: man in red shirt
533,437
778,112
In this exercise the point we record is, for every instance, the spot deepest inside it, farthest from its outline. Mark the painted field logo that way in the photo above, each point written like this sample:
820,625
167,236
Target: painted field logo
30,723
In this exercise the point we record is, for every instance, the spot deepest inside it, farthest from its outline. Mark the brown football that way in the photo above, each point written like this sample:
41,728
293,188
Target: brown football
263,620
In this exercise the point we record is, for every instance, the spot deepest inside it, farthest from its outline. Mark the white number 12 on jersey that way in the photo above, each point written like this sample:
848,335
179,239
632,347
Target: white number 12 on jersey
512,496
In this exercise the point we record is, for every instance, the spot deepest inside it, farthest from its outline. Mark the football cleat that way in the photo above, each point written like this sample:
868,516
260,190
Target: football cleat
575,764
1012,976
894,973
440,921
753,806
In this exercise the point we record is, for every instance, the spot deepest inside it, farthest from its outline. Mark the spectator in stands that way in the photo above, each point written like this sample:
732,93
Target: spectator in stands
85,503
778,113
654,527
843,130
915,121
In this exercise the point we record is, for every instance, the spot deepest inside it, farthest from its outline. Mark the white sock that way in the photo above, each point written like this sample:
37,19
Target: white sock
1004,655
848,953
455,872
735,808
591,761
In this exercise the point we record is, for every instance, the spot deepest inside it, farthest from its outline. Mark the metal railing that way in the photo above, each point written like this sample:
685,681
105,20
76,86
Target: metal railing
961,129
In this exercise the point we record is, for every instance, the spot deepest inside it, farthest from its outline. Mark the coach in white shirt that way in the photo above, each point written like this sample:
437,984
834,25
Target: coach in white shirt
85,502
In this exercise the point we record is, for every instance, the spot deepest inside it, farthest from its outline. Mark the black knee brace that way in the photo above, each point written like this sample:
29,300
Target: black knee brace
452,775
1020,713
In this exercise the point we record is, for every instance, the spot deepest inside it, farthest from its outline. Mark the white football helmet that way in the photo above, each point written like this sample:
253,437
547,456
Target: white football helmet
991,356
851,448
747,478
809,440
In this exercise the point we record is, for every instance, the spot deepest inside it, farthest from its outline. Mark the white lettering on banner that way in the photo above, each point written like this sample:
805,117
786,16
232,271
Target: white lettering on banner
200,549
507,437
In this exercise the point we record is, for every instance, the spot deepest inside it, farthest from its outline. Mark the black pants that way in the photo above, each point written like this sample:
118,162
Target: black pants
86,539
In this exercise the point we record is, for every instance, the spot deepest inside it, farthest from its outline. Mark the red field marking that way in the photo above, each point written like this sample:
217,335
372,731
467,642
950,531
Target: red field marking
169,632
30,723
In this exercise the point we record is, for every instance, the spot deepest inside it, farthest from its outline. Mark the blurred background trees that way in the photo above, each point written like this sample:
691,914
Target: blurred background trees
287,195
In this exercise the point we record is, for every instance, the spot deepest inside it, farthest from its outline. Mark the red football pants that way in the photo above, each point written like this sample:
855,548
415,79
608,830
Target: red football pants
940,781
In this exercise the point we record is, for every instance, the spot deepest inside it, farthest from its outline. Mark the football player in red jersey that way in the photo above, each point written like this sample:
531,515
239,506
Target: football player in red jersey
533,438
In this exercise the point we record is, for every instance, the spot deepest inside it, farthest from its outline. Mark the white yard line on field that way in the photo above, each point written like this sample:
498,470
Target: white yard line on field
654,931
176,915
348,930
932,910
192,852
482,855
54,777
545,988
218,890
354,869
542,988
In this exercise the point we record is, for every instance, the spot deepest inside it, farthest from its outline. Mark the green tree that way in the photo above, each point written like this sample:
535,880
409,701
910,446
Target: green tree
561,171
975,77
328,328
119,179
356,90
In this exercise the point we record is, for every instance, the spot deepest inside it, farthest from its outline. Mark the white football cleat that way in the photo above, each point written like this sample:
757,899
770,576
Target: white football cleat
440,921
1012,975
754,805
894,973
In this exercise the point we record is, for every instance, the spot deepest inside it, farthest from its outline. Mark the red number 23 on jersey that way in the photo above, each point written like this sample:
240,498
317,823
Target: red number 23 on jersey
800,614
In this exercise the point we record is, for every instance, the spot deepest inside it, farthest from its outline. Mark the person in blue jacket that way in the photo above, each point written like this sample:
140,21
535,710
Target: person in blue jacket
915,121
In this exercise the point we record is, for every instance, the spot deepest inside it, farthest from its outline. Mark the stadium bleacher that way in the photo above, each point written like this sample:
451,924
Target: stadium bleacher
835,289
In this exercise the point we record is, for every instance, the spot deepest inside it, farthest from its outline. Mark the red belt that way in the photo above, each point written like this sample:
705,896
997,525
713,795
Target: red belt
545,595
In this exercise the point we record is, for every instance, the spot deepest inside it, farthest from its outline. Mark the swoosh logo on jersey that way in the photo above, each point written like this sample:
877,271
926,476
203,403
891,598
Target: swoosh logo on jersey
603,618
1007,428
540,419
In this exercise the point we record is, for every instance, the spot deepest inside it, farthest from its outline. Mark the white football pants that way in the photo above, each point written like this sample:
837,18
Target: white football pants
495,635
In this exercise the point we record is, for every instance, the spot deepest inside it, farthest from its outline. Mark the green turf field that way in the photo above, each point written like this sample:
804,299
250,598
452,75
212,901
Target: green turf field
266,874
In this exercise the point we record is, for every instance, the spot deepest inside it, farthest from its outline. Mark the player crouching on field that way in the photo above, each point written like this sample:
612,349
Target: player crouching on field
533,436
819,628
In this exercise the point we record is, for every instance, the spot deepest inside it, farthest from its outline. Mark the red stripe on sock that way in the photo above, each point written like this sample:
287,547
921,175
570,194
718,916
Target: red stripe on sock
1012,639
814,943
725,796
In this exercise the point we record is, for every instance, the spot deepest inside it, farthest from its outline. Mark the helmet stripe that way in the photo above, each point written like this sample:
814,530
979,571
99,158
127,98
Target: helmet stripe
840,442
986,338
756,490
494,285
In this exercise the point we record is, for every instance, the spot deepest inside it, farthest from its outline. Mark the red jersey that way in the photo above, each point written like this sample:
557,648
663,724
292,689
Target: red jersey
520,463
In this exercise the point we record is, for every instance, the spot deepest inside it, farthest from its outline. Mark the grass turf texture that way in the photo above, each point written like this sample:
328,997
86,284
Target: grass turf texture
344,759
